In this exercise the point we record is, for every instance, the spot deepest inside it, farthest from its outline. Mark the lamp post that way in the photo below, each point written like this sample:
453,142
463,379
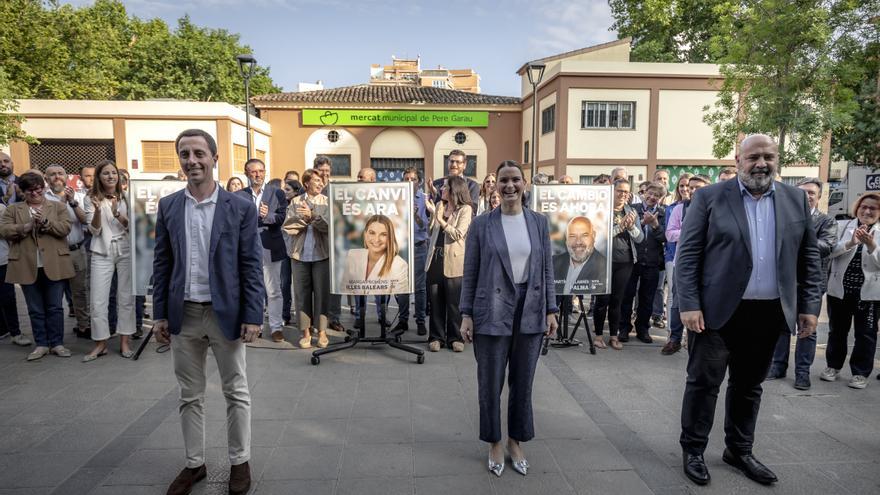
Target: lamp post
536,73
246,66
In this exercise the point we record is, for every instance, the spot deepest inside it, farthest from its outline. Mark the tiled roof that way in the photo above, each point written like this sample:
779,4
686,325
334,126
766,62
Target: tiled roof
366,93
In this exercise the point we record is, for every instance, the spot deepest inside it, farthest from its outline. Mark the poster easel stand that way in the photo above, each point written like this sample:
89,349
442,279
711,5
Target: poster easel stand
353,339
564,339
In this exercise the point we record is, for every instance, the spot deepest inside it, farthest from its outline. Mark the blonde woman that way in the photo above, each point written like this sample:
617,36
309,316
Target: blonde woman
486,190
378,263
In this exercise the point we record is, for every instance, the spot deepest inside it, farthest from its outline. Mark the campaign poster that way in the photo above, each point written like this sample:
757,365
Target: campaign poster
371,232
144,196
579,218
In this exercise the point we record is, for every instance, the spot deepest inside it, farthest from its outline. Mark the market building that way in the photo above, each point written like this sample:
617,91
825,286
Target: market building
137,135
390,128
598,110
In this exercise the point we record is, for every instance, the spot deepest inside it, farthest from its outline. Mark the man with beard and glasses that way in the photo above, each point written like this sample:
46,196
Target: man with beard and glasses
748,269
59,191
8,192
580,269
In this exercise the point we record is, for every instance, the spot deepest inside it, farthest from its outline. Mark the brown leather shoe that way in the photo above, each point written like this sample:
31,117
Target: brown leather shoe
240,479
184,482
670,348
278,336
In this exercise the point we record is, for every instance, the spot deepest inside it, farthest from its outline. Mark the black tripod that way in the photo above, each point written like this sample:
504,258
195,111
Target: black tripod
563,338
354,338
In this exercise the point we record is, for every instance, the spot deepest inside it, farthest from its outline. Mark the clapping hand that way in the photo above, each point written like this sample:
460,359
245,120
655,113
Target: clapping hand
650,219
305,212
264,209
430,206
862,235
69,194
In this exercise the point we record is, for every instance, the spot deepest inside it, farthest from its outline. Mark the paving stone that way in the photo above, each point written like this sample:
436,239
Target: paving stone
447,458
303,463
376,461
375,486
380,430
300,487
472,484
299,432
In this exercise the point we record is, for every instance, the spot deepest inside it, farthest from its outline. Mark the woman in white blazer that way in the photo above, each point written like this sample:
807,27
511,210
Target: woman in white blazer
107,213
854,292
376,269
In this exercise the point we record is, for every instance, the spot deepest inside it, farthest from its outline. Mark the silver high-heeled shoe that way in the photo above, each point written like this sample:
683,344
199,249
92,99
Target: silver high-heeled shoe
521,466
495,468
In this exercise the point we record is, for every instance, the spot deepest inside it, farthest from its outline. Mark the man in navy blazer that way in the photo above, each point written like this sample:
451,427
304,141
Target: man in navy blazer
208,292
748,268
271,206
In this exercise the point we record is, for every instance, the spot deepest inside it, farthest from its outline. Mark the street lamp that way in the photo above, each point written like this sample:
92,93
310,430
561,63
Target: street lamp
246,66
536,73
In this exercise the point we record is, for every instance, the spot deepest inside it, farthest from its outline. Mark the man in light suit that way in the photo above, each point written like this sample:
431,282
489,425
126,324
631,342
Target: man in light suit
271,206
748,268
208,292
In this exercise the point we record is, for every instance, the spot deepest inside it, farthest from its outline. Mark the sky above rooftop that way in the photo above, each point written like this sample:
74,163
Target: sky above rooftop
335,41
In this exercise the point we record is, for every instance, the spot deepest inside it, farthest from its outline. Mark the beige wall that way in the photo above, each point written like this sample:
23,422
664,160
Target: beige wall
681,132
64,128
137,131
397,143
608,143
637,172
546,142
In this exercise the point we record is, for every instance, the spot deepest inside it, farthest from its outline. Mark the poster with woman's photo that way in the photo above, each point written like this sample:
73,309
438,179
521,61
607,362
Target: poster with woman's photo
579,218
371,229
144,196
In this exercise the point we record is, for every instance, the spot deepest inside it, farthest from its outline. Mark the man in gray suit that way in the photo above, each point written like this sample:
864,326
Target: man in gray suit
748,269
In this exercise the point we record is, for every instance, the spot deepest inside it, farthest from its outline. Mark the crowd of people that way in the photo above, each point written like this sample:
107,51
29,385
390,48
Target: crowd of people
483,275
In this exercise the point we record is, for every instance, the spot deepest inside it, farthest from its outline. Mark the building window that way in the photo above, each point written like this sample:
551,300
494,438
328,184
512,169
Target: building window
333,136
239,156
340,165
260,155
526,156
460,137
470,170
438,83
548,119
608,115
159,157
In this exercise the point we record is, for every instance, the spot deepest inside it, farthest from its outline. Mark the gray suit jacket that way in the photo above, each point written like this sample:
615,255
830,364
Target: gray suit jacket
488,292
715,261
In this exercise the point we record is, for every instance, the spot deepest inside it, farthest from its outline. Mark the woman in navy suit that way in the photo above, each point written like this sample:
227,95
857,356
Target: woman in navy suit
507,267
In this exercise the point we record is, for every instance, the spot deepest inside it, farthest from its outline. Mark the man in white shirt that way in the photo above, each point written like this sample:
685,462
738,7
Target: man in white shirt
59,191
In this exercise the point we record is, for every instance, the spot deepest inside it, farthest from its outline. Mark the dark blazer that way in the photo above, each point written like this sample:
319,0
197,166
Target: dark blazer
715,261
235,260
651,250
596,268
488,292
270,227
826,234
473,188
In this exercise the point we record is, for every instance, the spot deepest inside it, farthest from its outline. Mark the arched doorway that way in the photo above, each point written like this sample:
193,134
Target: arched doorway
395,150
339,145
467,140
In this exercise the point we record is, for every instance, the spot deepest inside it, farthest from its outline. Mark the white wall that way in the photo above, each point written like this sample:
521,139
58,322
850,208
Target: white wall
318,144
608,143
681,132
397,143
69,128
475,145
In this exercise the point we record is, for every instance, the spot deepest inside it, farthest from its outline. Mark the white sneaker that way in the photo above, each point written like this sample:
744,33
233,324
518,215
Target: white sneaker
22,340
858,382
829,374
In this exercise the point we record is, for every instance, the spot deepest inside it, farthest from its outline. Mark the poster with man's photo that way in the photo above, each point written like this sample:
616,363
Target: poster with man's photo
144,196
371,232
579,218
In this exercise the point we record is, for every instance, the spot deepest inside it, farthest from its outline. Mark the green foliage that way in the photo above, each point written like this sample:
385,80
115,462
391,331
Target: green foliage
788,72
10,120
668,30
98,51
859,140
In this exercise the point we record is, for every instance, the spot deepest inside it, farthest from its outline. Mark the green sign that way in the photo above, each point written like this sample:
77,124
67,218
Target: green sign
394,118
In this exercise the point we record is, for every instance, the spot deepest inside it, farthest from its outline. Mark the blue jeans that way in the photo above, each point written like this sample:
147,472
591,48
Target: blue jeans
8,306
361,305
804,353
44,299
676,327
421,256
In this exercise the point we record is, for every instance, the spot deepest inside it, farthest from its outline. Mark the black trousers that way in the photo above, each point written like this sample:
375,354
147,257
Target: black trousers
643,281
862,315
610,303
444,294
518,354
744,348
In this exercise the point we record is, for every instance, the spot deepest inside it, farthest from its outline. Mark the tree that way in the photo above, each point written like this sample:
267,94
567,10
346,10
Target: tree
787,72
10,120
859,141
668,30
98,51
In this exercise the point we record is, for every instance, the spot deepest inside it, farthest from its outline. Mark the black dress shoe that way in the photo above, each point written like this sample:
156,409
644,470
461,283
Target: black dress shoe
623,337
645,338
424,331
695,468
775,374
402,326
751,467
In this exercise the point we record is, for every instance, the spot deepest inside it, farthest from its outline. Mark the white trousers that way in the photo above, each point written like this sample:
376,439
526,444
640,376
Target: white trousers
199,331
272,281
118,258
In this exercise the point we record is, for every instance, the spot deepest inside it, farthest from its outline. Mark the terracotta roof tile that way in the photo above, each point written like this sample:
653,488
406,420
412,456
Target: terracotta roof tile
366,93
